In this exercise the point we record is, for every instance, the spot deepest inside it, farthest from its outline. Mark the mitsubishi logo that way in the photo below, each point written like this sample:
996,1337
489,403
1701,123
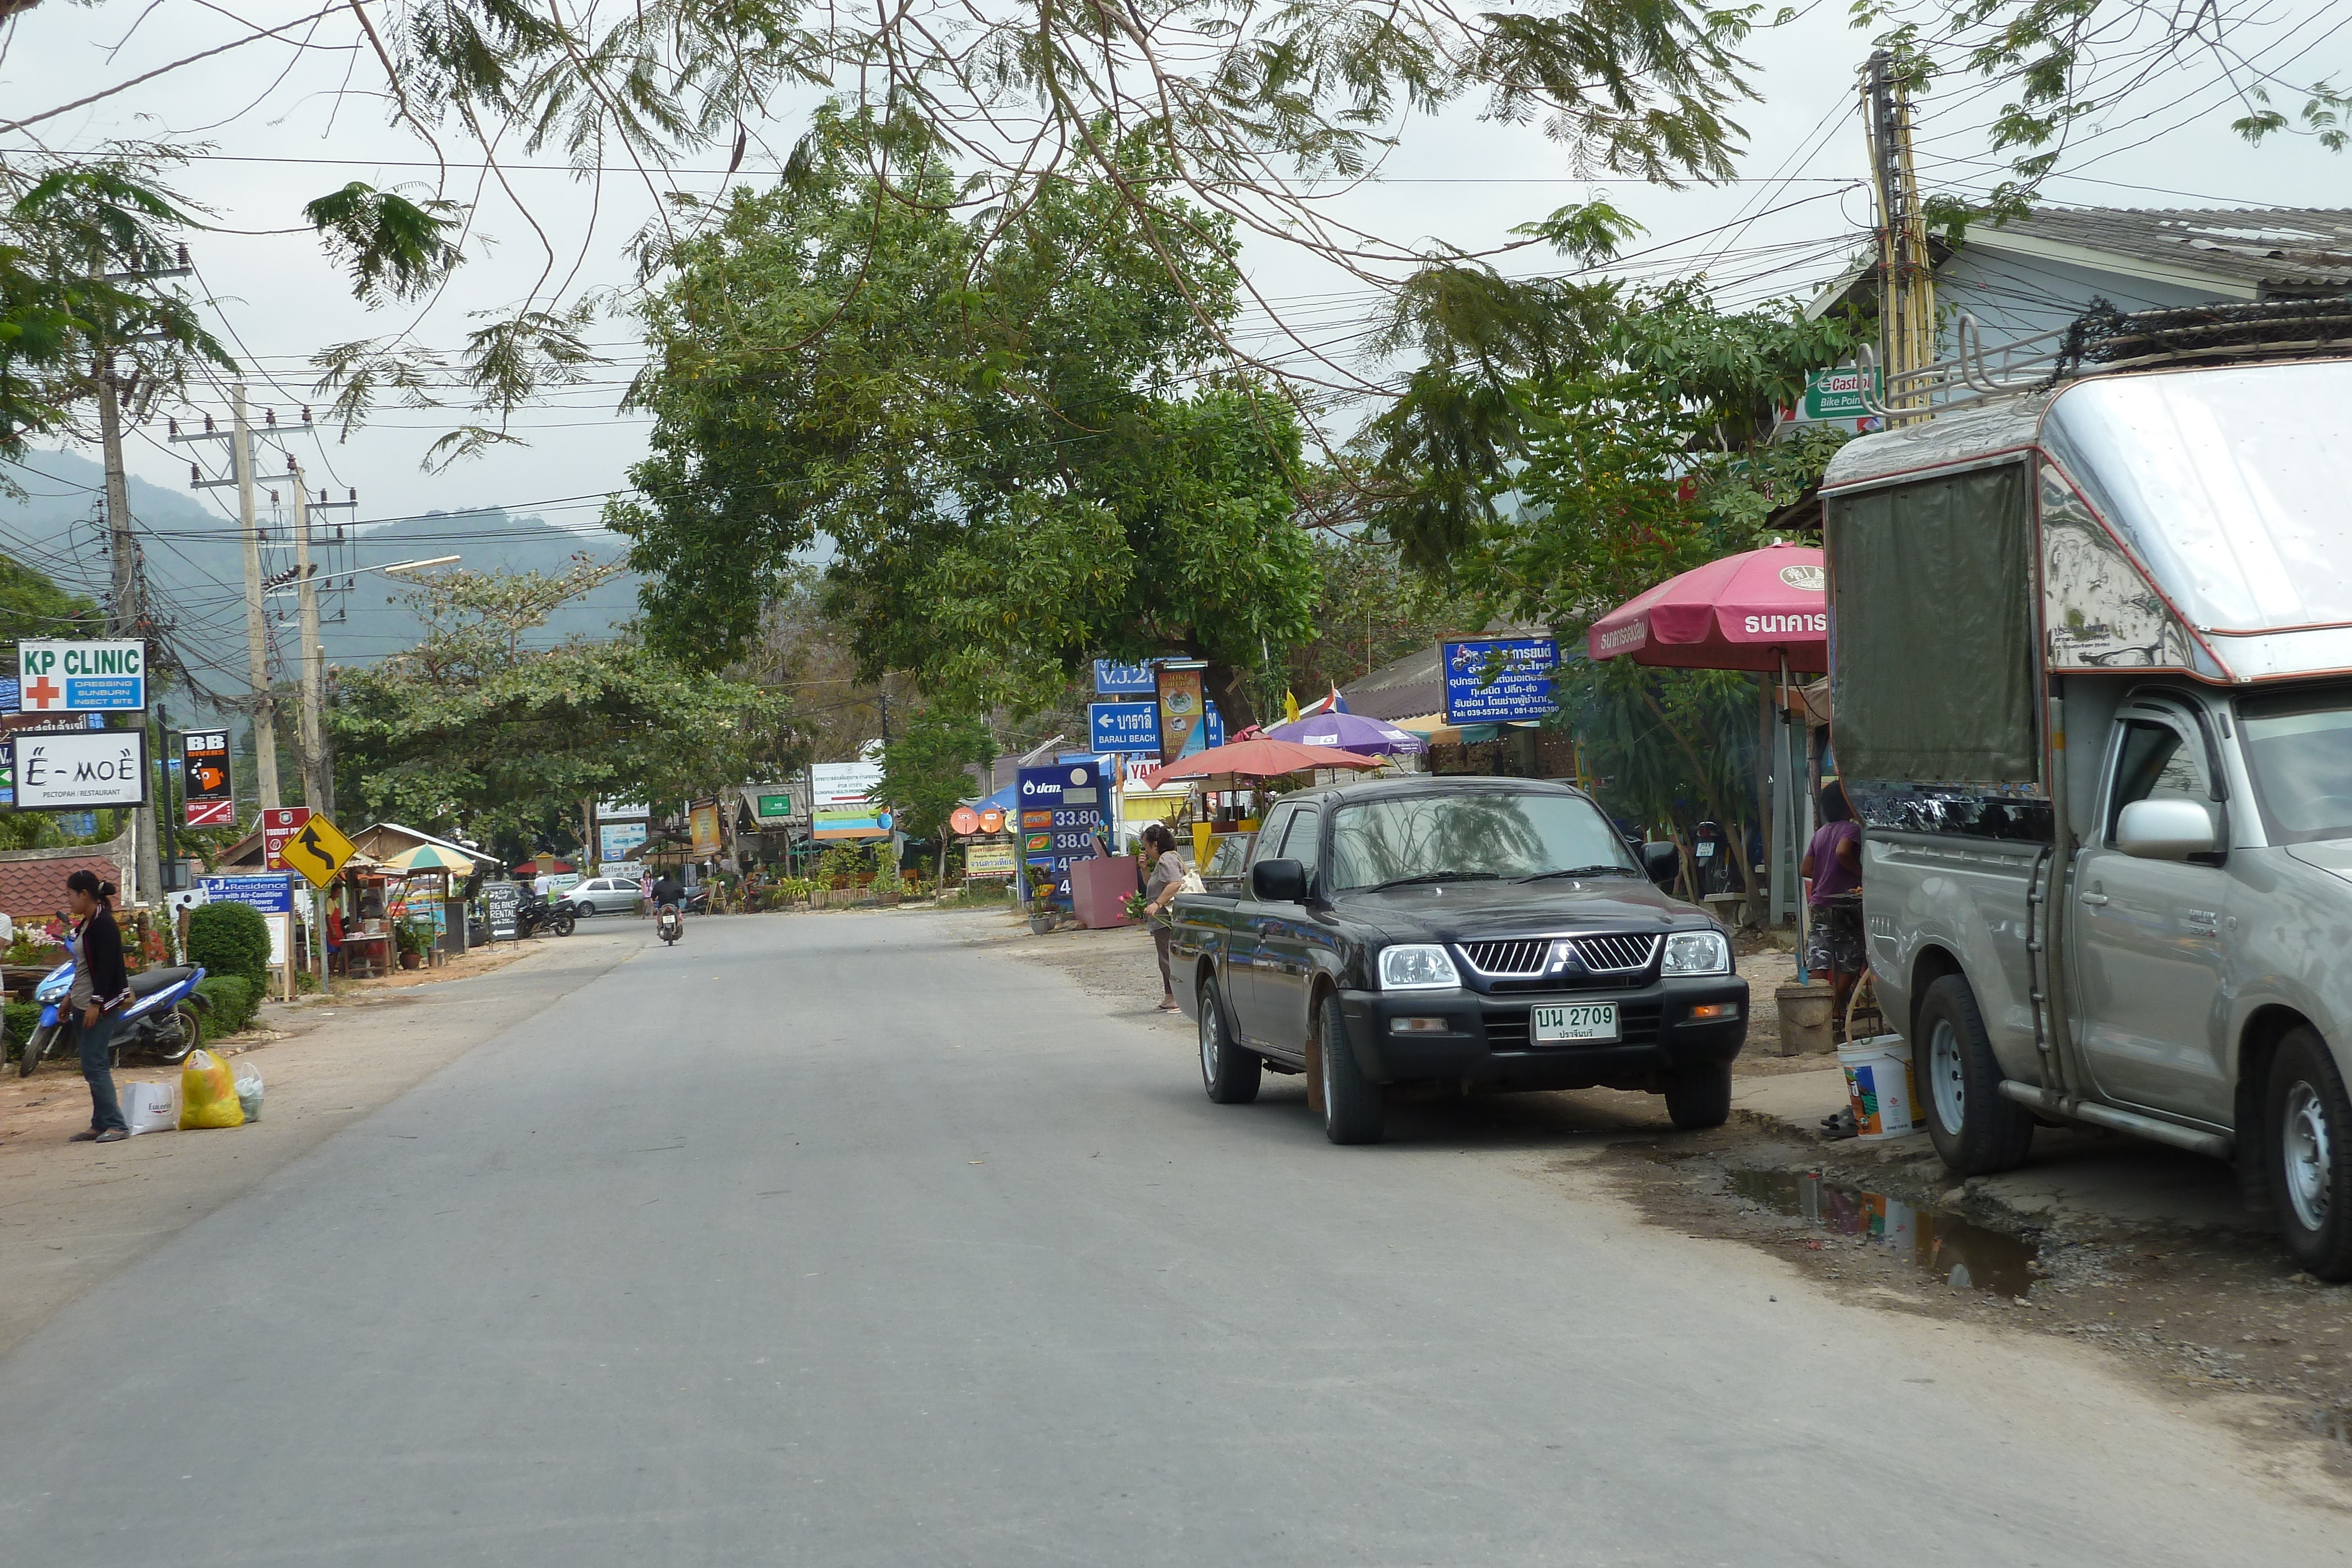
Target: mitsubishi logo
1564,958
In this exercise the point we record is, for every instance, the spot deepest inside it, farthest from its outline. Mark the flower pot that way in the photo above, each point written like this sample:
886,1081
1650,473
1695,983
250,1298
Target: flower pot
412,960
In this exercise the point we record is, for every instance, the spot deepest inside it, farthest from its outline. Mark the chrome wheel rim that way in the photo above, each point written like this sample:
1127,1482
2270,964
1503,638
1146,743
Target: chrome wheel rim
1947,1085
1209,1042
2304,1141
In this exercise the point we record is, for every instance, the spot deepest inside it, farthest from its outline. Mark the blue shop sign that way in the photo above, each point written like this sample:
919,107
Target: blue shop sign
1114,677
1131,729
271,894
1497,680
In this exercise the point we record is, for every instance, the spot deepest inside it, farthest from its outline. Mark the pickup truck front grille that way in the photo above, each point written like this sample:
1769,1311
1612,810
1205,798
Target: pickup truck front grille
1603,953
1519,956
1637,1024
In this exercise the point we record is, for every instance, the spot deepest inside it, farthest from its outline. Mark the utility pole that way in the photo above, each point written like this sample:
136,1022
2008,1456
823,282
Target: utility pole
1907,272
306,594
262,701
125,616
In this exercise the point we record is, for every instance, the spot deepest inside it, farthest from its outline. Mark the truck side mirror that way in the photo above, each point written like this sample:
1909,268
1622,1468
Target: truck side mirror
1278,881
1661,861
2167,829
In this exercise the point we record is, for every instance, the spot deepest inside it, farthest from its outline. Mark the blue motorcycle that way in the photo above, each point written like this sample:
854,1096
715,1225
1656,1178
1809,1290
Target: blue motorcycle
165,1016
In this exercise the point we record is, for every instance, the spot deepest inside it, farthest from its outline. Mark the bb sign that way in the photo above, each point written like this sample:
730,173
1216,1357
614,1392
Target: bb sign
82,677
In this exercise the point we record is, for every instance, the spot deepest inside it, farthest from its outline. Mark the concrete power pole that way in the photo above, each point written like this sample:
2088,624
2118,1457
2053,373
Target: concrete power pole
316,788
262,701
126,618
1906,271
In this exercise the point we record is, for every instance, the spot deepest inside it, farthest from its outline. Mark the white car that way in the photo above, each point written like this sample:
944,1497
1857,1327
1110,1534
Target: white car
606,895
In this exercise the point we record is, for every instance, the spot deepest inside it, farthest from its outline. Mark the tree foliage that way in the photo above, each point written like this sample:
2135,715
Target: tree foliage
475,730
1003,425
923,775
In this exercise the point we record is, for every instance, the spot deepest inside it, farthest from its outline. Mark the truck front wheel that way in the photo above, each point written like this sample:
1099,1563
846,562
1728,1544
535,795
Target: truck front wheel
2310,1128
1976,1129
1352,1112
1228,1072
1698,1098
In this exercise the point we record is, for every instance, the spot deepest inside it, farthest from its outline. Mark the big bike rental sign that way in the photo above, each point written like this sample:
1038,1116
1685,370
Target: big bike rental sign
1061,807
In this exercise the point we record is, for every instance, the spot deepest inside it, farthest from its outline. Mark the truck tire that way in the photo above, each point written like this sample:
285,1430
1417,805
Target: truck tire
1352,1112
2309,1123
1698,1098
1228,1072
1976,1129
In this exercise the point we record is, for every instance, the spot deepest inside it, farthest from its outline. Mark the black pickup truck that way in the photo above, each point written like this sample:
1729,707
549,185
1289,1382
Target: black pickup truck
1457,932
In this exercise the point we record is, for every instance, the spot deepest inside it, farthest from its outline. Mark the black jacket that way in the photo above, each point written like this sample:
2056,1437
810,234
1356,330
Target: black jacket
101,945
667,892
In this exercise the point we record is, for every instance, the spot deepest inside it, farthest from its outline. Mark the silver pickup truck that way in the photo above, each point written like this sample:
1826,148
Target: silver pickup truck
2092,656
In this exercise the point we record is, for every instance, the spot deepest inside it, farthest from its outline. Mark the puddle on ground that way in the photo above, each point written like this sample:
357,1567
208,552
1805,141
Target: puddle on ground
1962,1255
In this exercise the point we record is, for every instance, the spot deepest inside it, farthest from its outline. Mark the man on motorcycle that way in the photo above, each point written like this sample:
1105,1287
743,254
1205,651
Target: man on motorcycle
667,891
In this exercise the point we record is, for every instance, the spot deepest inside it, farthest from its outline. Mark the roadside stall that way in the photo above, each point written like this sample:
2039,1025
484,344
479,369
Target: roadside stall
420,903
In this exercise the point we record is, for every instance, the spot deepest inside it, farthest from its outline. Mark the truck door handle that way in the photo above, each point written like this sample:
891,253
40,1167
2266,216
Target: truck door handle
2095,898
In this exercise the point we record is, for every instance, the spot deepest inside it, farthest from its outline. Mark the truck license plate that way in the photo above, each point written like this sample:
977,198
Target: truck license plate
1578,1021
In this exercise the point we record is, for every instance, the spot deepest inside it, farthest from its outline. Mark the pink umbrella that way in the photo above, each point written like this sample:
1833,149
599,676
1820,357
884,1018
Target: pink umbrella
1261,759
1763,610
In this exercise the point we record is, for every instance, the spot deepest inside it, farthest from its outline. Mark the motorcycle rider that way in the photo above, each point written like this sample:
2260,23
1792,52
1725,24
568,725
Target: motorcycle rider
668,894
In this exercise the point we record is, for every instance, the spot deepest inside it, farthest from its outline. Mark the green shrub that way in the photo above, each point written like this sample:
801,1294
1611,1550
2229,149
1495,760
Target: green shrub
233,999
23,1017
231,939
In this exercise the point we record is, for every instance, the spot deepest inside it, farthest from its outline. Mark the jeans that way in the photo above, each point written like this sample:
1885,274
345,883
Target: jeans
98,1066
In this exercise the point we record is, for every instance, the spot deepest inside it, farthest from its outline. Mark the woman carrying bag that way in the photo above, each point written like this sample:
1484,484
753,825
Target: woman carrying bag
100,987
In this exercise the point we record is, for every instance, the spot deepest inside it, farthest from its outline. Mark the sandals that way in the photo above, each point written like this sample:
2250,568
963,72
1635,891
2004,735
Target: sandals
112,1136
1167,1007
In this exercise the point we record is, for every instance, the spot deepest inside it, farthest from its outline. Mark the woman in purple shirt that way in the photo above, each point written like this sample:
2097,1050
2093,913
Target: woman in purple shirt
1832,871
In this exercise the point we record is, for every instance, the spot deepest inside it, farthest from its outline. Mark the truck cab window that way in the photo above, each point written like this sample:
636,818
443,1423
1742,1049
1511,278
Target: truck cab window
1302,842
2154,761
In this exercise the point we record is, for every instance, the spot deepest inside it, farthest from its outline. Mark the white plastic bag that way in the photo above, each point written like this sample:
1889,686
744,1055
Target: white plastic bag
249,1089
1191,883
150,1107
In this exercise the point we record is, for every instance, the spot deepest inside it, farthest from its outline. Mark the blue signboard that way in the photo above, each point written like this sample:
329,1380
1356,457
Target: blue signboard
271,894
1213,727
1131,729
1059,810
1113,678
1495,680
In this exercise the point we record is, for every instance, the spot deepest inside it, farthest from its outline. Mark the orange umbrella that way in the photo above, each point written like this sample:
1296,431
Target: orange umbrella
1258,757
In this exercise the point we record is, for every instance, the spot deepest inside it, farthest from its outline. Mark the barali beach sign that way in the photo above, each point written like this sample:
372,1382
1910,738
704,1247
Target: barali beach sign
82,677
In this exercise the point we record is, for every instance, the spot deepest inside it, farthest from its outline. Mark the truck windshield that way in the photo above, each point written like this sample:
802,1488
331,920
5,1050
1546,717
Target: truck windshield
2299,751
1477,833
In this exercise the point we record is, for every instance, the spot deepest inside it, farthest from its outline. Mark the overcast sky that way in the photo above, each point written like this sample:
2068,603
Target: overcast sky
282,131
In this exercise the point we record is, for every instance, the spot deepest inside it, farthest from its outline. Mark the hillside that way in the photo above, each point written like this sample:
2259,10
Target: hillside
196,568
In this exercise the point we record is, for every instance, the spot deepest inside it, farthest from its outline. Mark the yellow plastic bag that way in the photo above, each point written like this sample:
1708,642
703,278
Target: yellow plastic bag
208,1093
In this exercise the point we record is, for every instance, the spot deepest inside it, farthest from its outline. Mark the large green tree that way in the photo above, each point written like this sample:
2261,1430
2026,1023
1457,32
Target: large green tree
1006,428
923,775
478,730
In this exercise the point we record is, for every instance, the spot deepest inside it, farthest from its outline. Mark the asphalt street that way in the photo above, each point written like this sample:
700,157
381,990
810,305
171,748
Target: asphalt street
831,1239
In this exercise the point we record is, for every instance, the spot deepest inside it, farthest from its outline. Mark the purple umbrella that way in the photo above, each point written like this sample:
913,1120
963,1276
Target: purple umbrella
1351,732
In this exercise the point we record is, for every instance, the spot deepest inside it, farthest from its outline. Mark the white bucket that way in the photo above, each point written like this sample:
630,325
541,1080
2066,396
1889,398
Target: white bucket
1879,1086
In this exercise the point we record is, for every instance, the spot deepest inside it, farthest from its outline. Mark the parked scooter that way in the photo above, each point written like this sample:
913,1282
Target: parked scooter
165,1017
670,923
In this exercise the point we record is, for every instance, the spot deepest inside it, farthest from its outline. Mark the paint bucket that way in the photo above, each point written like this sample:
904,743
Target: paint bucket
1879,1087
1805,1014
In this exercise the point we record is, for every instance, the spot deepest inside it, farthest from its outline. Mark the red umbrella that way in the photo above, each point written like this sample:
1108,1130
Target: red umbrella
1763,610
1259,758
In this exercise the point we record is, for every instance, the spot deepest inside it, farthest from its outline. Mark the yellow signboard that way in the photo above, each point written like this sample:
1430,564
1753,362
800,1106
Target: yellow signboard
317,850
702,820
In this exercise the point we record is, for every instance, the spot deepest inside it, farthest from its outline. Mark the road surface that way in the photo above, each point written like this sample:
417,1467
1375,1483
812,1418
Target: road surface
831,1239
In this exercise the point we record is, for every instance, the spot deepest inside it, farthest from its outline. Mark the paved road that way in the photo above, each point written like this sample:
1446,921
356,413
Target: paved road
829,1240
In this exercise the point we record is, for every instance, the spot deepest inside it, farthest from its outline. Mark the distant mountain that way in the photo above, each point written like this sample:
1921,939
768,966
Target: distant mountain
195,566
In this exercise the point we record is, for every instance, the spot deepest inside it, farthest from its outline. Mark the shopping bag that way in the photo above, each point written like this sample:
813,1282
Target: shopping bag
249,1089
150,1107
208,1093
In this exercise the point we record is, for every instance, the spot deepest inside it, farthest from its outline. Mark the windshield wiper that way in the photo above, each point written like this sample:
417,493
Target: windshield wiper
1583,871
1435,877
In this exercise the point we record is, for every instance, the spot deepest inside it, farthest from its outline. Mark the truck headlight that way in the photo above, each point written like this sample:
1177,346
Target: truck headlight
1417,967
1696,953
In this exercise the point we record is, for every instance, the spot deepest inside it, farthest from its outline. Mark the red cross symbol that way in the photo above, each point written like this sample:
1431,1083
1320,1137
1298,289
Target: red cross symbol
41,694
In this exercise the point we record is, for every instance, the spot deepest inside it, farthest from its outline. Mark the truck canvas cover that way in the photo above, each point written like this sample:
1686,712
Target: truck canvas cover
1932,642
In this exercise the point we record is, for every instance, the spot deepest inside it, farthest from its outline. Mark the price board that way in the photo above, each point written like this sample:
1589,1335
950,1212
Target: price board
1061,808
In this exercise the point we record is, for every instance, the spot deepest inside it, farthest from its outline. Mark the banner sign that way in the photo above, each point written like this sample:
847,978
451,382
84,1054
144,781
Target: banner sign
279,825
82,677
1180,702
203,768
619,841
842,783
78,769
1061,807
702,822
621,811
1497,680
834,822
988,860
1113,678
269,895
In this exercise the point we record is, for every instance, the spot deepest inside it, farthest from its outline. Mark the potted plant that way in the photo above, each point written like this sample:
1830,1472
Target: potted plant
414,942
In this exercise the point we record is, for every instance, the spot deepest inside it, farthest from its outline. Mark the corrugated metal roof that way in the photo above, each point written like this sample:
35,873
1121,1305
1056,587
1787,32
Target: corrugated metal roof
2290,249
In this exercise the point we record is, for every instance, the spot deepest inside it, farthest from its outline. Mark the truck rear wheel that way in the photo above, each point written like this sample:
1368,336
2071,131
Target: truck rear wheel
1976,1129
1230,1074
2310,1128
1352,1112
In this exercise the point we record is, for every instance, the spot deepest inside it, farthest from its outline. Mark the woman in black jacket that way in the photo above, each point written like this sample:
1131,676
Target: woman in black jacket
100,986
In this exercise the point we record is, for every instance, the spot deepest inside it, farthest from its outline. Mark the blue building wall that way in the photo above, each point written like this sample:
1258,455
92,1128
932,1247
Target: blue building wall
2015,297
